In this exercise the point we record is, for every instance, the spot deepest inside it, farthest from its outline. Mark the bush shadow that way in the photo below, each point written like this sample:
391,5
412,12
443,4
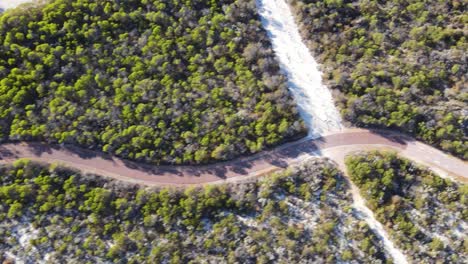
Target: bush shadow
279,158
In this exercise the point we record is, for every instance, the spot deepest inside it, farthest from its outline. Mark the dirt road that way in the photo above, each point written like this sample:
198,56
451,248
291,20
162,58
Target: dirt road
334,146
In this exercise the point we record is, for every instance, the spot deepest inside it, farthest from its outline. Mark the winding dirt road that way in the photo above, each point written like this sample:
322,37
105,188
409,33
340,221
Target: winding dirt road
334,146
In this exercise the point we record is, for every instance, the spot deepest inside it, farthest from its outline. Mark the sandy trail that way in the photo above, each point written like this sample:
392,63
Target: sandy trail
314,100
338,154
367,215
334,146
6,4
316,107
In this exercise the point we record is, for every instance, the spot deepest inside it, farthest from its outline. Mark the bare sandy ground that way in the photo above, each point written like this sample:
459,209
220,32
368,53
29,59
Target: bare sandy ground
313,98
334,146
6,4
316,107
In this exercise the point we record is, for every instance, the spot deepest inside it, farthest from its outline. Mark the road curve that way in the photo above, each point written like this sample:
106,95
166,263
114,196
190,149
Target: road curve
334,146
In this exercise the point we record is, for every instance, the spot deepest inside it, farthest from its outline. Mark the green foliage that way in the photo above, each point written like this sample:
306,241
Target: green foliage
93,219
398,64
417,206
155,81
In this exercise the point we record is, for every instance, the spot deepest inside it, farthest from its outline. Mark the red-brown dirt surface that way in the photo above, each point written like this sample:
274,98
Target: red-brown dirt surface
334,146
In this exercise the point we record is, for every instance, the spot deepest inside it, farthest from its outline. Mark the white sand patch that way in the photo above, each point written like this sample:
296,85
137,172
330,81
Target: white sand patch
314,100
460,231
47,257
300,213
248,221
13,257
26,234
6,4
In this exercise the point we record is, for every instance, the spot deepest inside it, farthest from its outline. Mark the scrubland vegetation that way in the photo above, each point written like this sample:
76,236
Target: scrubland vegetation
301,214
398,64
155,81
427,216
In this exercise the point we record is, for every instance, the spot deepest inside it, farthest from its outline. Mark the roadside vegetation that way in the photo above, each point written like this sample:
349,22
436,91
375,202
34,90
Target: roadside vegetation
427,216
300,214
155,81
397,64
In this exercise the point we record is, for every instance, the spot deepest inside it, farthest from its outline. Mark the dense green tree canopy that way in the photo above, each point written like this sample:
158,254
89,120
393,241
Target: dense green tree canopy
152,80
399,64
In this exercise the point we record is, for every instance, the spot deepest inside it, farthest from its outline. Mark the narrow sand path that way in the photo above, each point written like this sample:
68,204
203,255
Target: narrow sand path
7,4
314,100
316,107
334,146
365,213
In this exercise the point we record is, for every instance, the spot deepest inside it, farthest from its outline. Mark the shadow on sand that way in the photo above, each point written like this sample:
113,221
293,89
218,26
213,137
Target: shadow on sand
393,136
6,153
279,157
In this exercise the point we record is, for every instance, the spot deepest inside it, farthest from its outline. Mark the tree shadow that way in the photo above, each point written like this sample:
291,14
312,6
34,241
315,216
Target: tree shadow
87,153
153,169
279,158
6,153
396,137
39,148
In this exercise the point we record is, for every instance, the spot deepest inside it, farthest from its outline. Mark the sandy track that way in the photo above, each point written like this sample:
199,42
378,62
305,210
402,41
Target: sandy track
314,100
6,4
334,146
